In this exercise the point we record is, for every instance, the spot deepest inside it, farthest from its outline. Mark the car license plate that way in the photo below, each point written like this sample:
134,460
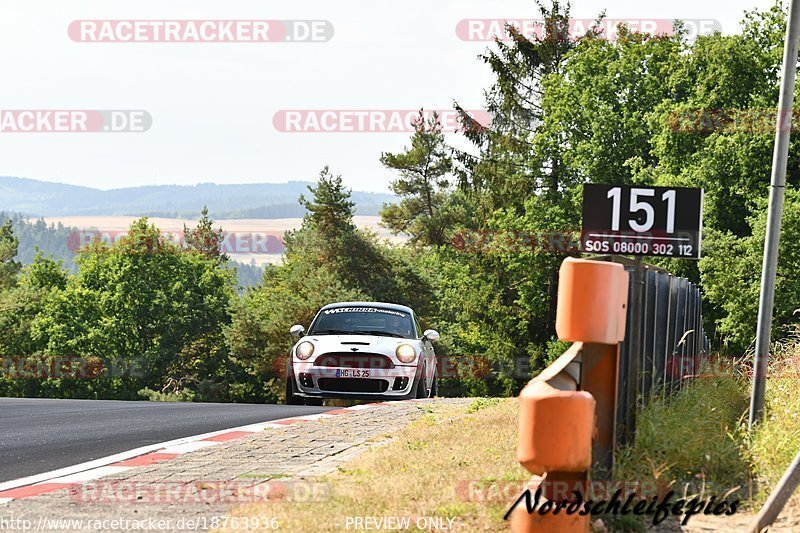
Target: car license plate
354,373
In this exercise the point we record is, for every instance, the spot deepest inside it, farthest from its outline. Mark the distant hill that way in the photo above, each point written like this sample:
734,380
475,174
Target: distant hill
257,200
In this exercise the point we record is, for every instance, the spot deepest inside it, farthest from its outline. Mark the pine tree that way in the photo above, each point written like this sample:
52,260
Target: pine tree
331,210
204,239
511,167
423,185
9,246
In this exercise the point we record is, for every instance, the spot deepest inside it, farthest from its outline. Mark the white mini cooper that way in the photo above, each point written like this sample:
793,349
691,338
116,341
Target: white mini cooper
362,350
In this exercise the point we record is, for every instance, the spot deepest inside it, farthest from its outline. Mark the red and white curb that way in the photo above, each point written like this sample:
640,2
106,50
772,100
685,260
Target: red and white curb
77,475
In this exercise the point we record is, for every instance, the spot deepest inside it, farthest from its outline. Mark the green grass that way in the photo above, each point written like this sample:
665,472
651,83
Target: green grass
697,442
774,443
482,403
693,440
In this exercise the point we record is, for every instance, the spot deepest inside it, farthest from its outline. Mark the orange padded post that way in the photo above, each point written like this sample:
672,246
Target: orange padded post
555,441
556,426
555,429
592,301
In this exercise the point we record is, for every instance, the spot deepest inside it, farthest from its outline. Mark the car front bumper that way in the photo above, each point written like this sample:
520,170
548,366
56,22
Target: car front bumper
339,382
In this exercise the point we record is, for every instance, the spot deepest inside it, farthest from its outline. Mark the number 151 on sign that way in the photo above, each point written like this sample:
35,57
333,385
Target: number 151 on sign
643,221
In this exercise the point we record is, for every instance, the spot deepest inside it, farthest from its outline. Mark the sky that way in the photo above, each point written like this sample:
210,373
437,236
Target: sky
212,106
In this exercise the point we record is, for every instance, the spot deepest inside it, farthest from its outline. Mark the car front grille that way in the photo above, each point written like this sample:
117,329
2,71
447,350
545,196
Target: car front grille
366,361
353,385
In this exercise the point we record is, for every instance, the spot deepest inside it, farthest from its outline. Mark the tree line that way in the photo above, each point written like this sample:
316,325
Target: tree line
53,240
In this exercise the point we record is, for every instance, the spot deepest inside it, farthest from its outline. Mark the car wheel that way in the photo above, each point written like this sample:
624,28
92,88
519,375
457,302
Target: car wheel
291,397
422,391
435,385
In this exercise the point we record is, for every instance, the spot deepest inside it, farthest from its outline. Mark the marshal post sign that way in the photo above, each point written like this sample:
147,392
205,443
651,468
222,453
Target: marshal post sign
642,221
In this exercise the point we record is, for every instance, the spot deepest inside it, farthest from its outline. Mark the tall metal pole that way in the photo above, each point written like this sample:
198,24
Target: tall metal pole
776,193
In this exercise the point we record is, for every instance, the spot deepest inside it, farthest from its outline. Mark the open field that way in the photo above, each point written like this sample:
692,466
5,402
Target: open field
274,227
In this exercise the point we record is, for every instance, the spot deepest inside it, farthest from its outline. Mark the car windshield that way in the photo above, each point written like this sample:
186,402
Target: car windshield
363,321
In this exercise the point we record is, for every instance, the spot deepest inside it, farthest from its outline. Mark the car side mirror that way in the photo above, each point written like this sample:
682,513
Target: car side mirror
431,334
297,330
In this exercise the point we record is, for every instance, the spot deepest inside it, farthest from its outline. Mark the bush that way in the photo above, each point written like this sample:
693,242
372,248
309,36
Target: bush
151,395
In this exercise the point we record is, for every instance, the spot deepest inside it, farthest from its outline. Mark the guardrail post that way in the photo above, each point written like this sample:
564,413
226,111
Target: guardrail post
575,397
600,377
592,309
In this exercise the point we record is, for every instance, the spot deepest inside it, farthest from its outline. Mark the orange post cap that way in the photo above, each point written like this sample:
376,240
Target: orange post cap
592,301
555,429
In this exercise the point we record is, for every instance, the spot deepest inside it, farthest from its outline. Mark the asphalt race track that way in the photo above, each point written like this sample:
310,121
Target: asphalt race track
40,435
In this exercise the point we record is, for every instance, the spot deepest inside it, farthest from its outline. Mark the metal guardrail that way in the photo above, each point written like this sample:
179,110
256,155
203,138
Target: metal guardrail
665,343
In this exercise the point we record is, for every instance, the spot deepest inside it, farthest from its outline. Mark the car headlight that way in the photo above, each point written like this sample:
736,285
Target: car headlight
304,350
406,353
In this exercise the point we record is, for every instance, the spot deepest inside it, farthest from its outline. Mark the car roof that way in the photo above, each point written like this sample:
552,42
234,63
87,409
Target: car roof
383,305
